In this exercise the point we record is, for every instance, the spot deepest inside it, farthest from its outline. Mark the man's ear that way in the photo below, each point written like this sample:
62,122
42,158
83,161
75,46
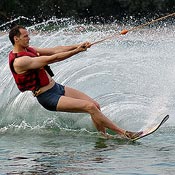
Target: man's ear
16,38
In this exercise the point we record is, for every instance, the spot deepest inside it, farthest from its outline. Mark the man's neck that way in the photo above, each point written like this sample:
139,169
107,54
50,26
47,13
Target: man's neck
17,49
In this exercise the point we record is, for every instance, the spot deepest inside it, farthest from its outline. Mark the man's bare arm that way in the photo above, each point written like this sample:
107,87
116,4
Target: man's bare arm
25,63
54,50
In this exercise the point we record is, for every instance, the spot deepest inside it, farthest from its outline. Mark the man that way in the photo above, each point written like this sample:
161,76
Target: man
29,68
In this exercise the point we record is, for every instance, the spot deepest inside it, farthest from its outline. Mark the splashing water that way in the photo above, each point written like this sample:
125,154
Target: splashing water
131,76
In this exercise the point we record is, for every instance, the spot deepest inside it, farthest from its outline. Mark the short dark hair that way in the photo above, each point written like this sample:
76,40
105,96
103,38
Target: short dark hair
15,32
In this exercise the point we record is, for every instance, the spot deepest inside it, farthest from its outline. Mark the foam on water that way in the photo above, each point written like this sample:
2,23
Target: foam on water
131,76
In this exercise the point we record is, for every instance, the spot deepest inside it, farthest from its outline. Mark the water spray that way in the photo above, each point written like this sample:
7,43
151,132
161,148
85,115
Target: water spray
124,31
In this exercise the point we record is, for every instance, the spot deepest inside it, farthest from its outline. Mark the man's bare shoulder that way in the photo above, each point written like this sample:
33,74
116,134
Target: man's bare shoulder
22,60
21,64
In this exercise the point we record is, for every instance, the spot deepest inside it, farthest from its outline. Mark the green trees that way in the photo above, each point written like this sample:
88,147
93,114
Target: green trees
44,9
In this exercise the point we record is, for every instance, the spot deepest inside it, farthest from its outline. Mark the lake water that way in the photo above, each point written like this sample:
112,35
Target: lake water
133,79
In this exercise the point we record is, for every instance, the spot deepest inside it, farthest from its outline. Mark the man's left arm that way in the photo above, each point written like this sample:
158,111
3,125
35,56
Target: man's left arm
54,50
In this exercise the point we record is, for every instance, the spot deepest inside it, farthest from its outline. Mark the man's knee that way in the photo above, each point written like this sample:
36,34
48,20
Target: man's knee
97,105
91,107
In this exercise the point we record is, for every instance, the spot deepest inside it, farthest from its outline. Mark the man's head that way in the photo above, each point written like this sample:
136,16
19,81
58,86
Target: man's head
19,34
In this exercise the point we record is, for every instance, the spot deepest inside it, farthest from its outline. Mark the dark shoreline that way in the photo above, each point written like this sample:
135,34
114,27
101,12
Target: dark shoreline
83,11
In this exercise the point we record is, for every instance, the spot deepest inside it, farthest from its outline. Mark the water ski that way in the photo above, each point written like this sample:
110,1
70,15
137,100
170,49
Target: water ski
151,129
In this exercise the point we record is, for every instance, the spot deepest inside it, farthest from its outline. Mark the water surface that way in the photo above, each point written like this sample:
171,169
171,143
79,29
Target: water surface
131,76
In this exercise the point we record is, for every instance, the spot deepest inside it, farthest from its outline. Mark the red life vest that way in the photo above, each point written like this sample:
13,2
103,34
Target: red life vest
32,79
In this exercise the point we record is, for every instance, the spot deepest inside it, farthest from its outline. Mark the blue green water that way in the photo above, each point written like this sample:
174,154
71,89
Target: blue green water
131,76
85,154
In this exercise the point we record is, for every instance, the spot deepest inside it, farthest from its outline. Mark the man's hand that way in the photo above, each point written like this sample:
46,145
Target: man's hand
83,46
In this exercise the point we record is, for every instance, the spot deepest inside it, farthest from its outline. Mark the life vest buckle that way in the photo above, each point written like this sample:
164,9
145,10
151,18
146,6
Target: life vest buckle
36,92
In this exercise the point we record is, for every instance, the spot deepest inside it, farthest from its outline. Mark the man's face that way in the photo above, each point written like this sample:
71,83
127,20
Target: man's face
23,39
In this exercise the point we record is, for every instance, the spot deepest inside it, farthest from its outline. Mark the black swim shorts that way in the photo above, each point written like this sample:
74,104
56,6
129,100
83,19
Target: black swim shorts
50,98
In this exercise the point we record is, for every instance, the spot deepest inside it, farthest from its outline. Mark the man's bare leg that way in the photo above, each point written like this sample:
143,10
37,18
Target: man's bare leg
70,92
75,101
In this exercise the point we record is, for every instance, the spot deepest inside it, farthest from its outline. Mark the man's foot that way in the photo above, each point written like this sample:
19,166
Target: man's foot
107,136
132,135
